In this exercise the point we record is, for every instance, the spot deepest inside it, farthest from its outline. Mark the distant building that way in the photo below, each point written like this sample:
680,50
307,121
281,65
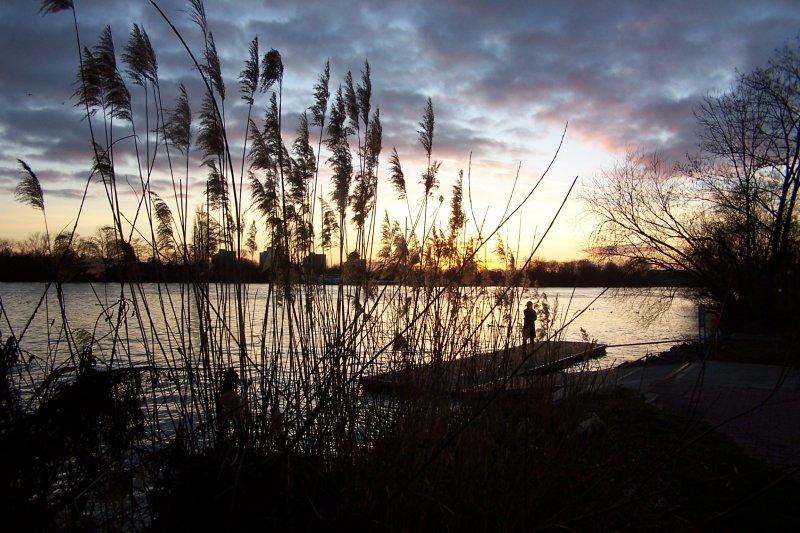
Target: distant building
223,259
271,258
223,262
315,263
354,269
266,259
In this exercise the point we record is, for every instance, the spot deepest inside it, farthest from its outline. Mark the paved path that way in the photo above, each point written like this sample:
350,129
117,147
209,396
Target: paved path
757,405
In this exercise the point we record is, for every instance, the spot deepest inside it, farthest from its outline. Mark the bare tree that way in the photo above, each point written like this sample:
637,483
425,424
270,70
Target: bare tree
726,218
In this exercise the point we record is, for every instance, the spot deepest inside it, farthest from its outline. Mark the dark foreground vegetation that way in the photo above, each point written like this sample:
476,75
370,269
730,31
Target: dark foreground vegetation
590,462
513,469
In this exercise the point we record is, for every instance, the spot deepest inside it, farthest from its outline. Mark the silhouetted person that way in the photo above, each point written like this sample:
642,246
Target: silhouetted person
400,344
231,406
528,326
276,426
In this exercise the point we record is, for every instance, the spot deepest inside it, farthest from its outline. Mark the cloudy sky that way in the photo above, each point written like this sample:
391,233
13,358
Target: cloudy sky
505,78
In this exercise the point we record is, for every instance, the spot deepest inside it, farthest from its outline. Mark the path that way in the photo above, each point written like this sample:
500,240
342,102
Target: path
756,405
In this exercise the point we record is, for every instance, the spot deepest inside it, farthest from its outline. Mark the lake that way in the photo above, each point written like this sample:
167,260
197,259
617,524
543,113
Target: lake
152,315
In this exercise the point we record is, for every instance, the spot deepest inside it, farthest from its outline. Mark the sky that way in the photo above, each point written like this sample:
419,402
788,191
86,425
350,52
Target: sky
507,79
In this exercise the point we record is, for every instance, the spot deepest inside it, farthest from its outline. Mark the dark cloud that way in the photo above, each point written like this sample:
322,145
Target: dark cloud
504,75
9,177
67,194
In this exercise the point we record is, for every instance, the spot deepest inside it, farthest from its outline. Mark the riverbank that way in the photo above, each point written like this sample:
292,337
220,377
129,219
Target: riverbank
734,348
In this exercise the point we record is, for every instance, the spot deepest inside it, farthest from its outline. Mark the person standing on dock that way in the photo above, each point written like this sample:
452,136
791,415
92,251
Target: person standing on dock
528,326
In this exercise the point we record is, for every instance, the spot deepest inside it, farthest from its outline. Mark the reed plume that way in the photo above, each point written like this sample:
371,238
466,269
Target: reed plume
330,226
271,70
29,190
429,177
351,102
211,132
178,126
140,58
396,176
213,68
458,217
364,93
54,6
340,159
249,76
164,227
321,95
426,129
304,166
100,84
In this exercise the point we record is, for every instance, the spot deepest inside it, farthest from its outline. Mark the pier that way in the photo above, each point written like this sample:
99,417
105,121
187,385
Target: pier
506,367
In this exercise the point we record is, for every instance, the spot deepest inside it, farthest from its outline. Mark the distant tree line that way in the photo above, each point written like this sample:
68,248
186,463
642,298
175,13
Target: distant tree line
102,258
98,259
586,273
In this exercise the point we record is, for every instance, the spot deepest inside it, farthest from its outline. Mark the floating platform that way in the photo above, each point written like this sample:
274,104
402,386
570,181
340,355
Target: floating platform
507,368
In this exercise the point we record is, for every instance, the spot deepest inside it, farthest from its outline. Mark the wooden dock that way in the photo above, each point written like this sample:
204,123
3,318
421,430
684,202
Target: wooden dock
482,371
